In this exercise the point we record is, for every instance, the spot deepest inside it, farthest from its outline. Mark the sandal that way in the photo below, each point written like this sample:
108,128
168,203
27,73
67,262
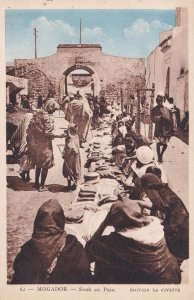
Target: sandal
42,188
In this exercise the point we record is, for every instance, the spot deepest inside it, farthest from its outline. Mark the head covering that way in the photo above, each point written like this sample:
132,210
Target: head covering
129,122
120,123
161,94
122,130
154,170
150,180
72,130
160,97
49,236
51,105
171,100
144,155
127,214
154,189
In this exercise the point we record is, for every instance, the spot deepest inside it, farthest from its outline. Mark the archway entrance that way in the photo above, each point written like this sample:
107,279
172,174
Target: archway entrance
80,77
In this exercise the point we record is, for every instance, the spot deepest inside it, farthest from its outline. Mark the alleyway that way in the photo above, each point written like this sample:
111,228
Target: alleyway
23,200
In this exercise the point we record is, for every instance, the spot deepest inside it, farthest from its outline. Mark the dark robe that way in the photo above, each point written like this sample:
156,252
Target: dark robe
51,256
72,265
162,117
176,222
119,259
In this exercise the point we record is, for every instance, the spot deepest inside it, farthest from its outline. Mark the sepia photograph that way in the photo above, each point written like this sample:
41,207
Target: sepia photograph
97,148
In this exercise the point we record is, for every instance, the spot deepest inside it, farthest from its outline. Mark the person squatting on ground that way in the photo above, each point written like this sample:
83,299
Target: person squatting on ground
162,117
39,140
135,253
51,256
71,156
144,160
174,212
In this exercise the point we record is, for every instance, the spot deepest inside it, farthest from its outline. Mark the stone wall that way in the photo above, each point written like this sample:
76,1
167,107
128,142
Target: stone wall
39,84
49,73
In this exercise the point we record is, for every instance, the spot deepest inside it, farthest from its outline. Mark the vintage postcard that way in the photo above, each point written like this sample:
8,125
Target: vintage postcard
96,137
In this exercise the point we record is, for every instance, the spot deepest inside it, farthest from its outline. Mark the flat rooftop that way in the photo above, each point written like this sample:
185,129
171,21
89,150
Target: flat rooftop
79,46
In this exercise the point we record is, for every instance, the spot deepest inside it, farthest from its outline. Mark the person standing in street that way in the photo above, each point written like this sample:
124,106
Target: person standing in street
39,139
79,112
19,145
162,117
72,158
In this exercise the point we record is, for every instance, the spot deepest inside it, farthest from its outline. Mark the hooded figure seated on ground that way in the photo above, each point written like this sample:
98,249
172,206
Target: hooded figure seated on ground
135,253
51,256
174,213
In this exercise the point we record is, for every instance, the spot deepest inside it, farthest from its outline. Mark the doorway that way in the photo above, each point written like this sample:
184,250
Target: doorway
82,78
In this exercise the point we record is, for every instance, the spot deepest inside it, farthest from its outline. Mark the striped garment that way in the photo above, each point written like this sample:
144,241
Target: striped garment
18,139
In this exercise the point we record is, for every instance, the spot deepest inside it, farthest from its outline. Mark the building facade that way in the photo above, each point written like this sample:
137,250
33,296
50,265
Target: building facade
167,64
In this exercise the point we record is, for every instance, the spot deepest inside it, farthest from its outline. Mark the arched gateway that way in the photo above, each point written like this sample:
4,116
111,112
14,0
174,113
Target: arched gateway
103,72
91,85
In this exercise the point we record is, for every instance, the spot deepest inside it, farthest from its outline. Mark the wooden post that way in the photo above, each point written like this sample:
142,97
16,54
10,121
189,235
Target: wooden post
150,132
66,85
138,116
121,100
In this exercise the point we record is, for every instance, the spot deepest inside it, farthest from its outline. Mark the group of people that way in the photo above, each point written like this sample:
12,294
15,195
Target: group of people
32,141
150,239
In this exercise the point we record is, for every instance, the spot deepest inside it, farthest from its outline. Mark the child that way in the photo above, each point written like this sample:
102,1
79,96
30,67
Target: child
72,158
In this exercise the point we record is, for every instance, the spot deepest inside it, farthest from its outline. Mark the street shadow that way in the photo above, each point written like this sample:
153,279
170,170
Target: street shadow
56,188
183,135
17,184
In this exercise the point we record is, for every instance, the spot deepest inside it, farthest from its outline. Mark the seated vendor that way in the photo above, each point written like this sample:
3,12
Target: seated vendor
136,253
144,160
